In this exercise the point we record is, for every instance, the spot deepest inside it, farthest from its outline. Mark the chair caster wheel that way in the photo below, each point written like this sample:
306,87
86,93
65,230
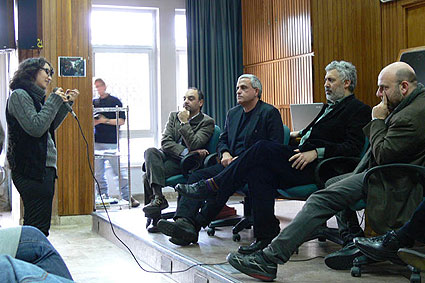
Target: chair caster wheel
236,237
415,278
211,231
356,271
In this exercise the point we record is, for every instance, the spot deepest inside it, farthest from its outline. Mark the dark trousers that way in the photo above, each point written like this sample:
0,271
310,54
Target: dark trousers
318,208
159,167
415,227
348,223
37,198
189,208
265,167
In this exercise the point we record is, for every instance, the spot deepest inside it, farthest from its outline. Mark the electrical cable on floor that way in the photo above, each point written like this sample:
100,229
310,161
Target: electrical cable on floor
307,259
112,227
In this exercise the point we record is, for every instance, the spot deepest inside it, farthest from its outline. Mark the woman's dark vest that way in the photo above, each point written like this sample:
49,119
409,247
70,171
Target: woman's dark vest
27,154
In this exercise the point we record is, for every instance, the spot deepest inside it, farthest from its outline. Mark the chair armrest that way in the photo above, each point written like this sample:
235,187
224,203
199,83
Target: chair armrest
190,162
211,159
334,166
410,167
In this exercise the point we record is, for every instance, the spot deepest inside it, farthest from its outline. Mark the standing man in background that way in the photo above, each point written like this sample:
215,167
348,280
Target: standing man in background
105,137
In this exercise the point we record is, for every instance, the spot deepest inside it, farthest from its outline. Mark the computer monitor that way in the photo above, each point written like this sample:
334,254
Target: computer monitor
303,114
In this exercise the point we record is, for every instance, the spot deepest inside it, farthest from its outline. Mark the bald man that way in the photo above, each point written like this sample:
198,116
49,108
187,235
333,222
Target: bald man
396,134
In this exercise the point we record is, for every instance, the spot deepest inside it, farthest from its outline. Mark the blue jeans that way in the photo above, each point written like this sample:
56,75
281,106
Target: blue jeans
36,249
15,270
99,170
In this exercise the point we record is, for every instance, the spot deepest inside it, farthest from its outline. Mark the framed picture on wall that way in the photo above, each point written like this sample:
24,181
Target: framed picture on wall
72,66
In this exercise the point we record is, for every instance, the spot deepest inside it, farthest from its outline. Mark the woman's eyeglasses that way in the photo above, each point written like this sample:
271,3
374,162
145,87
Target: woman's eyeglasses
48,71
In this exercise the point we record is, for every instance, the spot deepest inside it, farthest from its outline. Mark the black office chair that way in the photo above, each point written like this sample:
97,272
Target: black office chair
413,171
325,170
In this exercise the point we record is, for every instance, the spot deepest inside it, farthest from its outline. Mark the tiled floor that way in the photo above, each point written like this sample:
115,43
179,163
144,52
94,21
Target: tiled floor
93,259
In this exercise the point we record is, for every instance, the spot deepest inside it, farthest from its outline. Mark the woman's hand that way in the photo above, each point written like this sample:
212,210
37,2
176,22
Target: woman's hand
71,94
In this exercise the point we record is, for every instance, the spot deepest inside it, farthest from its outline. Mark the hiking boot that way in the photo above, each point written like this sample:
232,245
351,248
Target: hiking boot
156,205
255,265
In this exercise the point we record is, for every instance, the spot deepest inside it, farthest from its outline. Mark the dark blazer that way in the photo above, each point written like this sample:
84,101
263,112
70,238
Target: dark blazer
340,131
265,124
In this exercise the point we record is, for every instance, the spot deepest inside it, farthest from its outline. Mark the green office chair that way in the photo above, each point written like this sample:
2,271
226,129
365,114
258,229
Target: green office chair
188,164
325,170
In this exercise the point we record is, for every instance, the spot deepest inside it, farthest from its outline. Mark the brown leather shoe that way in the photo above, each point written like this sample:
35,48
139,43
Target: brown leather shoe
134,202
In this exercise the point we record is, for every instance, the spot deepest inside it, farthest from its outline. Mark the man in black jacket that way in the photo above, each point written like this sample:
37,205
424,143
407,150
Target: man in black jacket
252,120
267,166
396,135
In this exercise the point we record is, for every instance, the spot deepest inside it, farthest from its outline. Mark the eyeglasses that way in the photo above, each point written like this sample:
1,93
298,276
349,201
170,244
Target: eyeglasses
48,71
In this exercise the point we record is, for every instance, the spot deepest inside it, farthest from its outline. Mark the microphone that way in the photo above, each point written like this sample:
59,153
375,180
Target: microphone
69,108
67,105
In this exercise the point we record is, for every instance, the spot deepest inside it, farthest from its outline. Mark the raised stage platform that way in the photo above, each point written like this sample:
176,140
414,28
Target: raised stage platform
162,255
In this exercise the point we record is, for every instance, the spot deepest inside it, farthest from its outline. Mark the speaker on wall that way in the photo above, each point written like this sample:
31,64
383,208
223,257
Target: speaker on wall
29,24
7,25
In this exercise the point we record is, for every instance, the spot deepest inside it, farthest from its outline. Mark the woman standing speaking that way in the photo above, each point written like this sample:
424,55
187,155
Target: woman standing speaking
32,120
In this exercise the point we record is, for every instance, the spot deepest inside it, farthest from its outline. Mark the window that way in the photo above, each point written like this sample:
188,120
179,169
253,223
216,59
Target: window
181,55
124,47
132,50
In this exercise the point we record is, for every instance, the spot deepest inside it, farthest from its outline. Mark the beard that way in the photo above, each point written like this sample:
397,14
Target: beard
334,96
391,105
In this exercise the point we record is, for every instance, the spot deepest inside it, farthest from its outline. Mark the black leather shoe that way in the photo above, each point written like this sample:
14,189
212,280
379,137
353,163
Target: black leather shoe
343,259
197,190
255,246
383,247
182,231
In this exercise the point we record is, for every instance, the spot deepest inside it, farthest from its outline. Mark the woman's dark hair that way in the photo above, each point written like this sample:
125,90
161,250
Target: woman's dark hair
27,72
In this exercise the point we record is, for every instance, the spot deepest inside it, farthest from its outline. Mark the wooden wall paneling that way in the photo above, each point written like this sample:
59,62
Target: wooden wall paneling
415,24
257,31
66,33
402,27
265,73
293,84
351,31
291,28
393,36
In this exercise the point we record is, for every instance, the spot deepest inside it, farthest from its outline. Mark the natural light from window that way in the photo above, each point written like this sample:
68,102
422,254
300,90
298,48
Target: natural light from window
122,27
181,55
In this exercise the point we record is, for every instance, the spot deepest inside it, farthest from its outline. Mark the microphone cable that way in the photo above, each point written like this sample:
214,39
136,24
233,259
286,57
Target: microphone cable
112,226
